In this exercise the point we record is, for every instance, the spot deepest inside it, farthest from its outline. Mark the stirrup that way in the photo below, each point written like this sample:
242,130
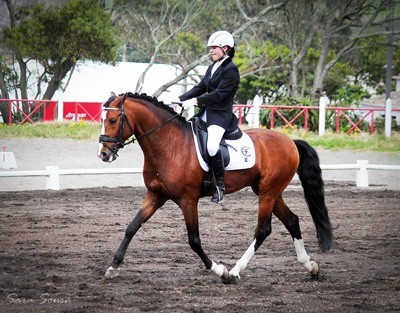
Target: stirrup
218,196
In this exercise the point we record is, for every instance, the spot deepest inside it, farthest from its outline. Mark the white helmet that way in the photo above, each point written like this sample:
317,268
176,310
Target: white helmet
221,38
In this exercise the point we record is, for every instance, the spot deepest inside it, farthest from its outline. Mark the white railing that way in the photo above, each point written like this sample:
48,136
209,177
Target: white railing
362,167
53,173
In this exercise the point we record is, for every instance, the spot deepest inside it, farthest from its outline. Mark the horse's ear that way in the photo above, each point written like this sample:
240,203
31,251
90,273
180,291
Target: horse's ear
122,100
113,96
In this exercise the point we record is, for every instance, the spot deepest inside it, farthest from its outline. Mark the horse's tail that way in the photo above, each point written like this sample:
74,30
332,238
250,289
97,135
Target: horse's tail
310,176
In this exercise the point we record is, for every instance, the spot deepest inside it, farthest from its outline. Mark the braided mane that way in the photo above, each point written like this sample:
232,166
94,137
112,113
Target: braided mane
154,101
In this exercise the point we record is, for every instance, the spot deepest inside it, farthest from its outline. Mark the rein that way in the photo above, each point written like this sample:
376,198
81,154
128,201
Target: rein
118,139
155,128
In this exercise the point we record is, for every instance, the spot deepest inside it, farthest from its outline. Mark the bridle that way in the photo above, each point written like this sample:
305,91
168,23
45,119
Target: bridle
119,143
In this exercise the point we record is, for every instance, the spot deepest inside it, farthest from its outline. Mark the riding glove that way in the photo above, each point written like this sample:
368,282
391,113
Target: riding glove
188,104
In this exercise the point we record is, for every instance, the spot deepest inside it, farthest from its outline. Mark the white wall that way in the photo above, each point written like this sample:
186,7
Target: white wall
95,81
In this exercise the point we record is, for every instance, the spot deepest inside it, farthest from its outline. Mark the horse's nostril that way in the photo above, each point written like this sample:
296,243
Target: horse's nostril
103,155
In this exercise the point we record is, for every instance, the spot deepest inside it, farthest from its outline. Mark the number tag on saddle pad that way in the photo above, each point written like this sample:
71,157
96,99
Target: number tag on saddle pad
241,153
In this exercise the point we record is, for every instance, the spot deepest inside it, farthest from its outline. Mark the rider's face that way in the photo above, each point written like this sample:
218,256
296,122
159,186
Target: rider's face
216,52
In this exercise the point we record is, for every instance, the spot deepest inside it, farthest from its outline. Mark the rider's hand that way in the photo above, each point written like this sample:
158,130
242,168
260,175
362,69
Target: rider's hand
188,104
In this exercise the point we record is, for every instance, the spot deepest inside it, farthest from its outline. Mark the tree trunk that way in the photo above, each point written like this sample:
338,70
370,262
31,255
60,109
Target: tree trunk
57,78
23,82
319,77
294,74
4,109
301,25
181,76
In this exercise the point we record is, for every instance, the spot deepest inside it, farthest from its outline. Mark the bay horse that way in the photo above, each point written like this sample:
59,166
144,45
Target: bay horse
172,172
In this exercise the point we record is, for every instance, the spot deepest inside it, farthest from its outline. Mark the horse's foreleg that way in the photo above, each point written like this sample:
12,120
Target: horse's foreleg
263,230
192,225
291,222
149,206
195,244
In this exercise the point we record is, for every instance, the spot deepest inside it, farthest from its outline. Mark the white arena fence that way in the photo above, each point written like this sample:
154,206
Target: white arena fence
53,173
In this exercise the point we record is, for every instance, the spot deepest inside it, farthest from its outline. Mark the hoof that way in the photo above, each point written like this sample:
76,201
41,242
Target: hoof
315,276
230,280
112,272
220,270
314,270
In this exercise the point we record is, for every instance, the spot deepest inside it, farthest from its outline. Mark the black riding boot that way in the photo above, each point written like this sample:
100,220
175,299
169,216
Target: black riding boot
217,167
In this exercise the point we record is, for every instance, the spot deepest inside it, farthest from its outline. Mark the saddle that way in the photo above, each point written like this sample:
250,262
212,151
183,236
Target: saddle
200,131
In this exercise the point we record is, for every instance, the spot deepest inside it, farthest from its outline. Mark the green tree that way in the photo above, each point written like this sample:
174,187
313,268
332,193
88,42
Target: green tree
156,27
336,30
344,25
370,63
264,69
56,37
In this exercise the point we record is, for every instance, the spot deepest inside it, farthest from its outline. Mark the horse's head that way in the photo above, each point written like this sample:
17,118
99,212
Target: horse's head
143,115
115,128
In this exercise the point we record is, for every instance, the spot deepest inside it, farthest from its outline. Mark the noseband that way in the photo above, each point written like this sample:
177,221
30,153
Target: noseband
118,140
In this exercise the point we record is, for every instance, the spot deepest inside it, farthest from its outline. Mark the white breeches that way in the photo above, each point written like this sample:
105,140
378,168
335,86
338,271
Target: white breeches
215,134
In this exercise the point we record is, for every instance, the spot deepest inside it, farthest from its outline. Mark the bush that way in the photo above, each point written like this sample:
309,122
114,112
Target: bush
380,125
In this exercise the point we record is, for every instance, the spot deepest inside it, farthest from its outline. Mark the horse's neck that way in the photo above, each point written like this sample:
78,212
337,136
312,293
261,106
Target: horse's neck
166,146
162,147
159,138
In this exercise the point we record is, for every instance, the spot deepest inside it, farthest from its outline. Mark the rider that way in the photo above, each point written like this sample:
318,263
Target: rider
214,95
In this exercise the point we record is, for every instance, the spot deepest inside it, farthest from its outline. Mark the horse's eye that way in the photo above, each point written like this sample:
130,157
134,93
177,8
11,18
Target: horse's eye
113,121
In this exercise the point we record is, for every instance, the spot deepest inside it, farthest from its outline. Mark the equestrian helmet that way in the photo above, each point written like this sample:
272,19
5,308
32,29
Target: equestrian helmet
221,38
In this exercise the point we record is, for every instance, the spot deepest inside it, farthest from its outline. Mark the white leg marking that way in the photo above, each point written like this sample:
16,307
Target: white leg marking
244,260
112,272
303,257
219,269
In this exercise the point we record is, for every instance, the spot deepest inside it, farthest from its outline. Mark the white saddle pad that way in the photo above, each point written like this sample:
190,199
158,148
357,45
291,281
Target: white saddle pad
241,152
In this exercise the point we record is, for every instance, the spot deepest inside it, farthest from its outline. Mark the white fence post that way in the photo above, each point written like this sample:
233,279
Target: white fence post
362,173
60,109
388,118
53,178
323,101
256,111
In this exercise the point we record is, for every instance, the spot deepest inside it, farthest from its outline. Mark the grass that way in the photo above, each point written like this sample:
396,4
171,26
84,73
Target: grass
358,142
83,130
80,130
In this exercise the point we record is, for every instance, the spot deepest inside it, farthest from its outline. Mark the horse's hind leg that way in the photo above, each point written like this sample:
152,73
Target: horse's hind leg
150,204
263,230
291,222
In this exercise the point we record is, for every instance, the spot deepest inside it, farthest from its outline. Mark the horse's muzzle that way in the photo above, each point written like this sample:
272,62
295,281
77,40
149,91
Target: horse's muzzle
107,156
106,153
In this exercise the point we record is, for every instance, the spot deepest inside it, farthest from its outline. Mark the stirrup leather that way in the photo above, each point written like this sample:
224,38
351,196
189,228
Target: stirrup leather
218,196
